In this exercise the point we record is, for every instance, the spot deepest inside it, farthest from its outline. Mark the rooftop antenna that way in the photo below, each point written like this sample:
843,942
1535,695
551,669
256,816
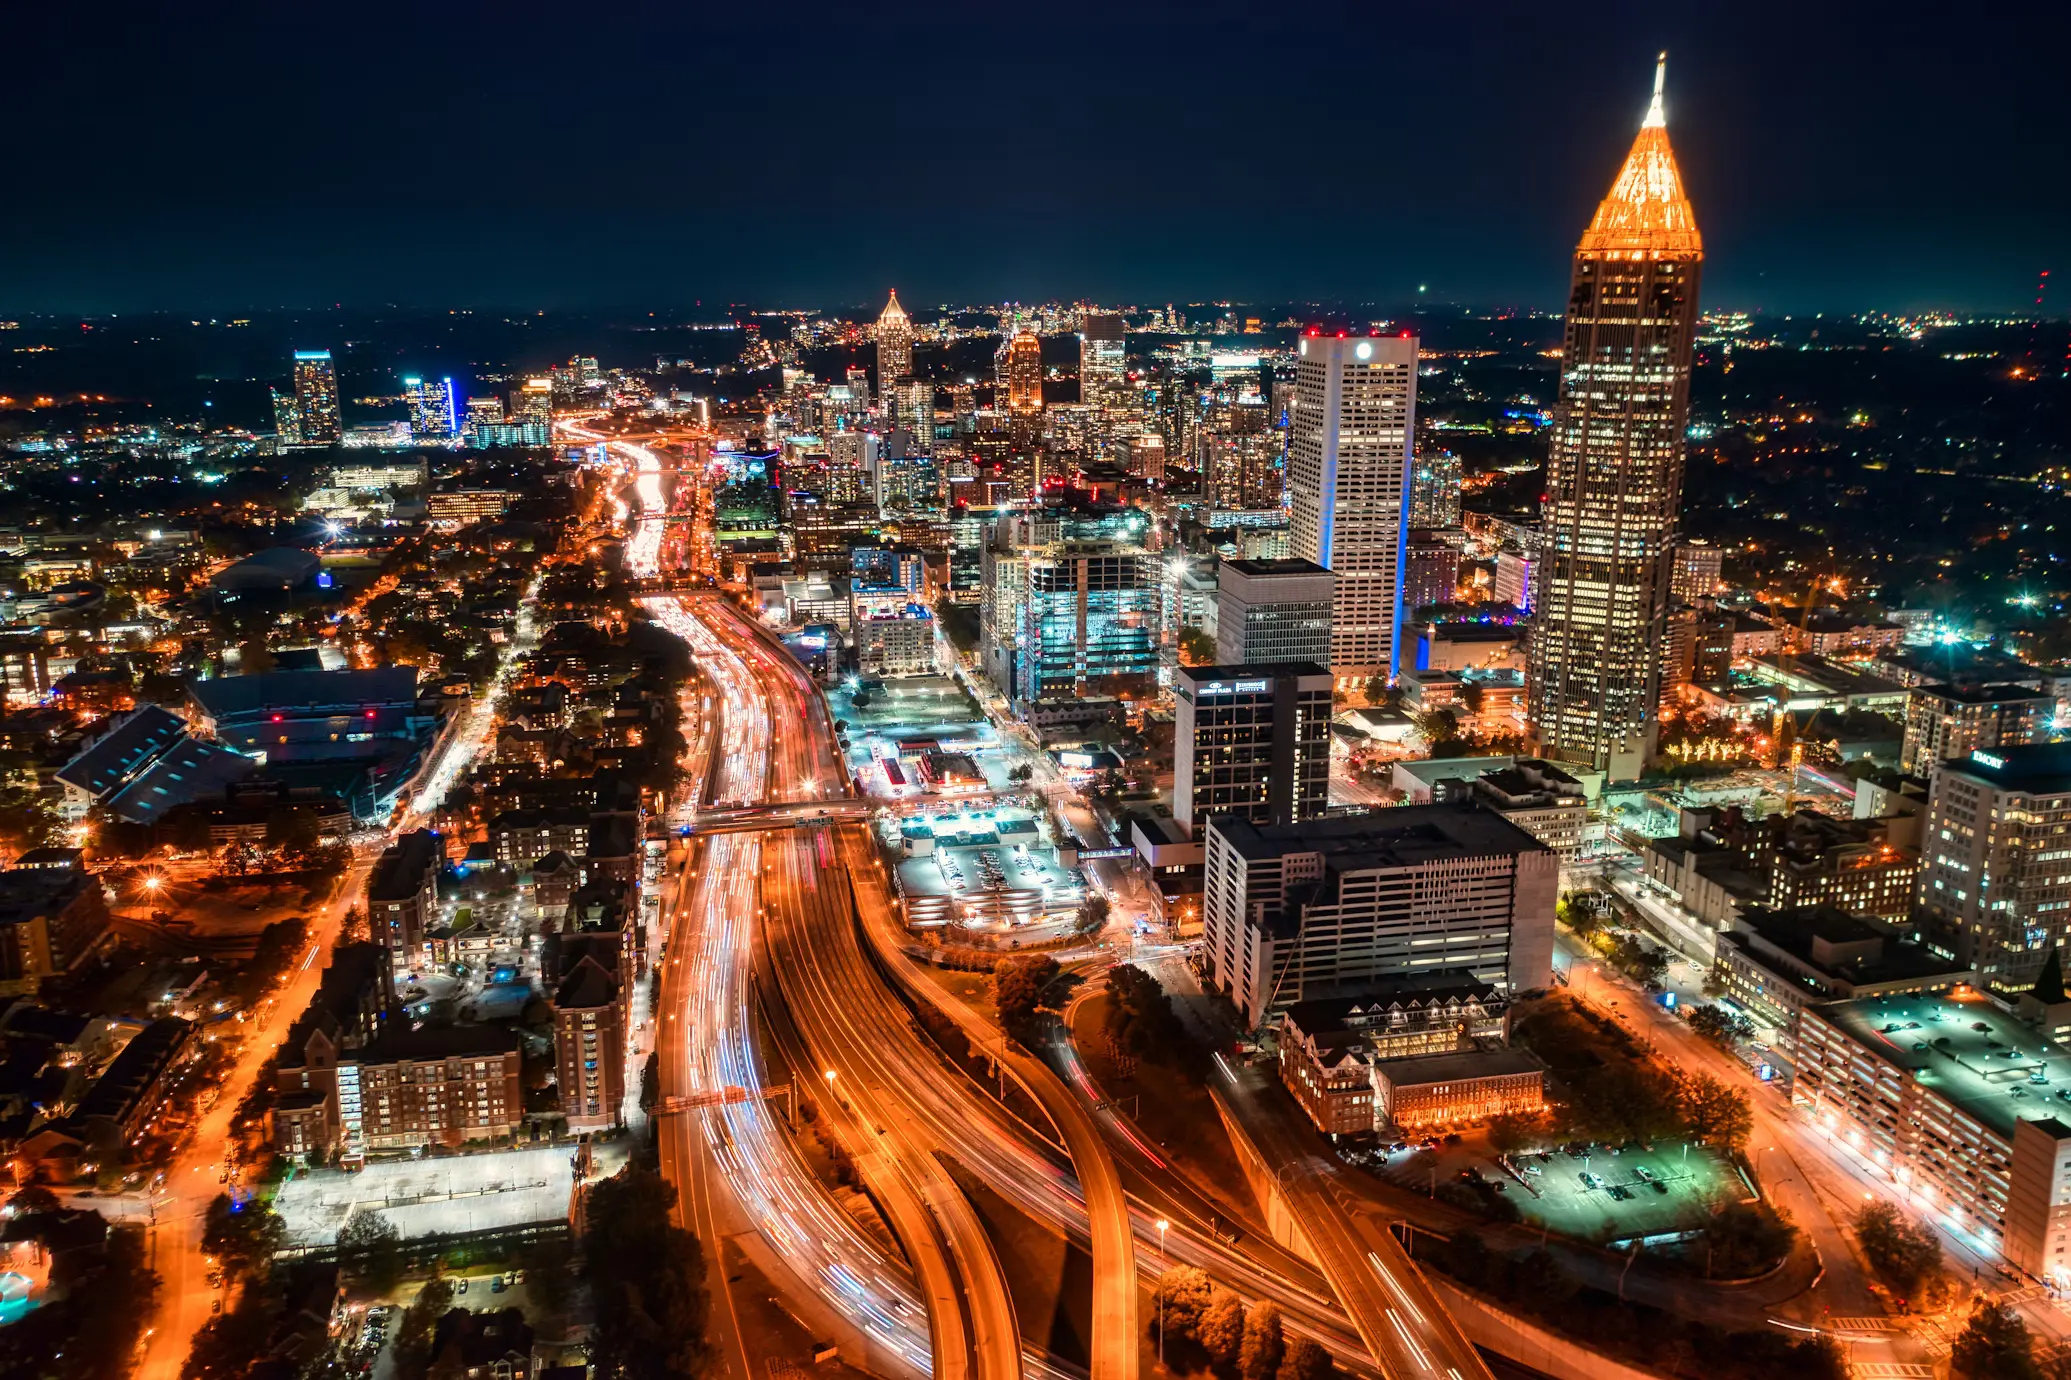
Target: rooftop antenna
1657,117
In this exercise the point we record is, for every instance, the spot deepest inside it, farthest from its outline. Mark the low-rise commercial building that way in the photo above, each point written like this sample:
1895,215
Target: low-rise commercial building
1443,1092
1328,1047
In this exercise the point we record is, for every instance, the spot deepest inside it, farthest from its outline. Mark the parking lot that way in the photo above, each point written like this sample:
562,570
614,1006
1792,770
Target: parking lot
457,1193
1599,1195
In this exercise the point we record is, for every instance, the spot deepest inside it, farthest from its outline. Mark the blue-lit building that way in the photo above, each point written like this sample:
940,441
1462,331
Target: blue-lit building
1070,603
434,413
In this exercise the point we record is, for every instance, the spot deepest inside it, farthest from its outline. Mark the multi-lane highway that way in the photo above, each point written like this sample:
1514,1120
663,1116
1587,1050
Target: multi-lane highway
707,1044
902,1102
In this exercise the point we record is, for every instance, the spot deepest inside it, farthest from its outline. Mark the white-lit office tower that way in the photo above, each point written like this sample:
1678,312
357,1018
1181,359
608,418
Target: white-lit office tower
859,387
1614,475
432,411
1434,494
1268,611
894,346
316,398
912,404
534,401
1348,472
483,412
1103,358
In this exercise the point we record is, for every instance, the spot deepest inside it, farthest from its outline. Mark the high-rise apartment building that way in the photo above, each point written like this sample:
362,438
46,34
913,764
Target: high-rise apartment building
1953,720
1348,473
1995,873
316,398
894,346
1615,473
1434,492
1019,373
1698,567
1308,910
287,419
1430,570
1273,611
1103,357
434,415
1512,581
1251,742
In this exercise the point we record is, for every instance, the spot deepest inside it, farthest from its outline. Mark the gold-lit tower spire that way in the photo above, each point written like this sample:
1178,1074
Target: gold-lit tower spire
1614,475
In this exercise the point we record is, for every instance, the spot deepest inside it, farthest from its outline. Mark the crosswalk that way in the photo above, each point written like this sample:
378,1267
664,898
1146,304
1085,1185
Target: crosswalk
1879,1323
1890,1370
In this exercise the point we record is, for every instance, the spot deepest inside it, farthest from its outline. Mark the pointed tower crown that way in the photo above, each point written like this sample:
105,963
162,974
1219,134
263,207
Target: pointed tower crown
892,310
1646,211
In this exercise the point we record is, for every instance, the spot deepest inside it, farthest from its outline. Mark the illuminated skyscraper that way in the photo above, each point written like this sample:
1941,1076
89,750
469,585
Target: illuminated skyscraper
534,401
894,346
316,398
1615,475
912,407
1103,355
433,415
287,419
1019,372
1434,495
1348,472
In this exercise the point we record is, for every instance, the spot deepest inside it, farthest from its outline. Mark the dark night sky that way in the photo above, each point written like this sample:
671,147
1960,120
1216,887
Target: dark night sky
523,154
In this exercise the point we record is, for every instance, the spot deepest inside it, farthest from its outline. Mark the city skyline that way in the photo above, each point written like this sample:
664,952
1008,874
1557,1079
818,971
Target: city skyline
1830,191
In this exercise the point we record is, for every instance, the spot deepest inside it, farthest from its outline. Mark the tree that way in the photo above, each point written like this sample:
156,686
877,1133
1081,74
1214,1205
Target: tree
1017,991
1307,1360
1747,1238
372,1248
1994,1345
1376,689
293,833
33,1199
1140,1018
1196,648
1716,1114
1264,1345
651,1083
647,1282
1222,1330
1720,1026
1473,696
1181,1298
1906,1257
1510,1134
419,1322
244,1233
1093,912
